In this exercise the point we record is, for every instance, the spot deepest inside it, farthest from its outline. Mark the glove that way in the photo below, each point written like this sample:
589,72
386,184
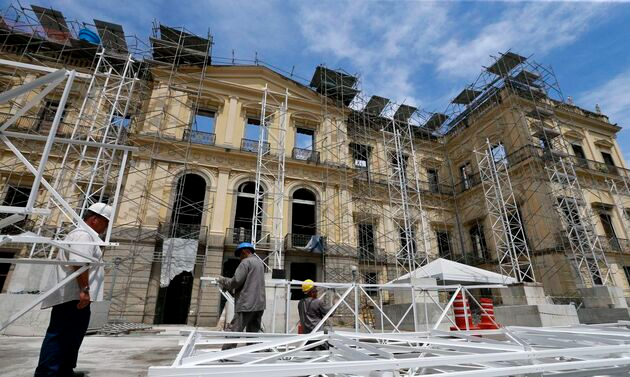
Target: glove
222,281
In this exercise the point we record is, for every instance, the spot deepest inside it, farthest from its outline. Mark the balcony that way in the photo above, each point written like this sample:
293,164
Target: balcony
371,254
468,183
187,231
199,137
294,241
234,236
248,145
306,155
614,244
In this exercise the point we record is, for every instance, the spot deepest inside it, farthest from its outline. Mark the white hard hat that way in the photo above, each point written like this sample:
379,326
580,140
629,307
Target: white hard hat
102,209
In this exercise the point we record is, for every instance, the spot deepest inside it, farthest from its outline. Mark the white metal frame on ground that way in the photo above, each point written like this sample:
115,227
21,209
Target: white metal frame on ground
352,297
563,351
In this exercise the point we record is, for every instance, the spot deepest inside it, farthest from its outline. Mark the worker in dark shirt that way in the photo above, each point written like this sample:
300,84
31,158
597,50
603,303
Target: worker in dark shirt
248,284
311,309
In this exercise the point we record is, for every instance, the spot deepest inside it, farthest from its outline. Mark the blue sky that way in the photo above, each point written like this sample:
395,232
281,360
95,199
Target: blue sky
420,53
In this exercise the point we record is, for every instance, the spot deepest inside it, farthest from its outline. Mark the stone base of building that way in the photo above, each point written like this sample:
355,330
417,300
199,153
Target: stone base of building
590,316
541,315
525,304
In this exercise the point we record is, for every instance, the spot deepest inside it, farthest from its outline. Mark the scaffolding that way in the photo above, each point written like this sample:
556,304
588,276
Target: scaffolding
527,97
272,168
394,185
81,156
507,229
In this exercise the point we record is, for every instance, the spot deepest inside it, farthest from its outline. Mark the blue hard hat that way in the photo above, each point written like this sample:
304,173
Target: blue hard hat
244,245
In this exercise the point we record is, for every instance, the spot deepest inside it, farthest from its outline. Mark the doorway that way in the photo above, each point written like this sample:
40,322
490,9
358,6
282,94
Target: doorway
174,300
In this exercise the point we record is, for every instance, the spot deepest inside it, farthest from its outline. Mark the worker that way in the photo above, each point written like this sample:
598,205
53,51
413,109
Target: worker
311,309
248,285
70,304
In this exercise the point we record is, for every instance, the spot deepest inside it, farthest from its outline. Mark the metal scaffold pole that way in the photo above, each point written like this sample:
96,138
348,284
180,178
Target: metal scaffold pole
270,167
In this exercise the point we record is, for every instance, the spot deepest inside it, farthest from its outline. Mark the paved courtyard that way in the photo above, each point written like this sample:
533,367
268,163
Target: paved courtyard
100,356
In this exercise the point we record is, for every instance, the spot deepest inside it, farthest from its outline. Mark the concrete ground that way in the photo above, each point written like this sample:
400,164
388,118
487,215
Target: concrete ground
100,356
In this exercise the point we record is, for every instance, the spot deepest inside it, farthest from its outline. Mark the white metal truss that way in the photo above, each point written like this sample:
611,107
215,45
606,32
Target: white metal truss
102,118
421,299
616,195
270,167
507,228
404,197
576,214
54,205
594,350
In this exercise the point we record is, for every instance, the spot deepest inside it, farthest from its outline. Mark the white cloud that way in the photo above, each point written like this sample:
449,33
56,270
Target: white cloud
614,101
530,28
385,42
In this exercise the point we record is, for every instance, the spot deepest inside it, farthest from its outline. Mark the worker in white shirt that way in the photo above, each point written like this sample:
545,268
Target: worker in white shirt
70,304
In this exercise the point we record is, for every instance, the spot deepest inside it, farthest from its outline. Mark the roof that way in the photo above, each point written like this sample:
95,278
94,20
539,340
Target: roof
453,272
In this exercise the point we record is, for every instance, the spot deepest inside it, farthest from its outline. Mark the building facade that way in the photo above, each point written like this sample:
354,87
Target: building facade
368,189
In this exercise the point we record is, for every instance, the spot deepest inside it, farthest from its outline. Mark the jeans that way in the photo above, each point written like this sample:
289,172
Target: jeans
252,321
60,349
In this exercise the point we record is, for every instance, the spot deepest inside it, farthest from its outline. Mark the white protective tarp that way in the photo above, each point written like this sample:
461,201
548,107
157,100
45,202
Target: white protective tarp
453,272
178,255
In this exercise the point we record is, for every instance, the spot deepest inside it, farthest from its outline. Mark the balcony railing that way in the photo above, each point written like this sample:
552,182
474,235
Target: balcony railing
468,183
199,137
580,163
306,155
234,236
614,244
248,145
293,241
177,230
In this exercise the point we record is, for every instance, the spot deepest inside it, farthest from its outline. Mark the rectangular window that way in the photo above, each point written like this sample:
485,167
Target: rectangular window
578,151
499,154
464,173
608,159
610,163
580,157
47,116
444,243
366,241
394,160
360,155
203,121
434,179
252,129
305,145
626,269
480,248
371,278
609,230
304,139
249,143
407,243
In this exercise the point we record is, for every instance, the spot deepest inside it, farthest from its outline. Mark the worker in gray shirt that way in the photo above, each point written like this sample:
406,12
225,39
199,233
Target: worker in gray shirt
248,285
310,309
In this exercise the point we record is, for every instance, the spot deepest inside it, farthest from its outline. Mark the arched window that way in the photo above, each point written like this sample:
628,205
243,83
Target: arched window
245,195
303,216
188,206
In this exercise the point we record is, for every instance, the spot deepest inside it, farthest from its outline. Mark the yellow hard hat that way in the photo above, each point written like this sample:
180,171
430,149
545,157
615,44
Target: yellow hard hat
307,285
